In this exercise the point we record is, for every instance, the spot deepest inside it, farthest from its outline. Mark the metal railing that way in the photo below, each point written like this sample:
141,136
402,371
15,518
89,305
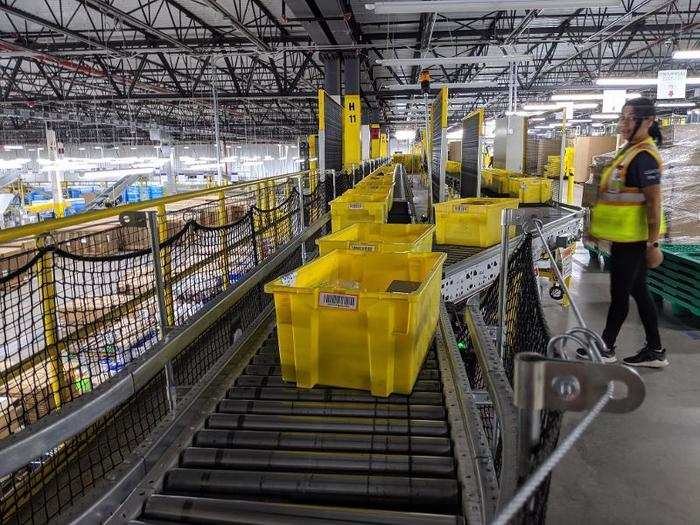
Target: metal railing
211,257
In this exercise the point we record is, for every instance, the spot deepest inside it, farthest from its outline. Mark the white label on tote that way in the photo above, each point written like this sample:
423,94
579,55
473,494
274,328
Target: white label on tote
460,208
289,279
362,247
337,300
355,206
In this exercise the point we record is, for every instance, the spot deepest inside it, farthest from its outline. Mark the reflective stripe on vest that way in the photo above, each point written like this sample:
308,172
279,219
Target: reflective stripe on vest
620,213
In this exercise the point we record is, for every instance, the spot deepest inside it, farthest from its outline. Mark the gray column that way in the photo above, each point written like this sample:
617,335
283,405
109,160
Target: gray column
331,73
352,75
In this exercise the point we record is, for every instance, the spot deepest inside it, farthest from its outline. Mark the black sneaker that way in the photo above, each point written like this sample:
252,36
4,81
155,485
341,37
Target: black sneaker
648,358
608,356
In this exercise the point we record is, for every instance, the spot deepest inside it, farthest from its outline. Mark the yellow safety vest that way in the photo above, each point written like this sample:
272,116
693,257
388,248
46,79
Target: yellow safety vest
620,214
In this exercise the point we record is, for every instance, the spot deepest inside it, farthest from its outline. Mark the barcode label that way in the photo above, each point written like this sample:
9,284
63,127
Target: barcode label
362,247
460,208
355,206
337,300
289,279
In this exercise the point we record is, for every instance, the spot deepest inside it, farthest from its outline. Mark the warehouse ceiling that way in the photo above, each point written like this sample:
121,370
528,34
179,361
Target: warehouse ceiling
113,70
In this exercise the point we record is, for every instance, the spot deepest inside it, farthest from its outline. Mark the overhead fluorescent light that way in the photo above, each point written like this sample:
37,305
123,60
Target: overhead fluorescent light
638,81
453,61
484,6
605,116
537,119
111,174
687,54
675,104
558,105
438,85
565,97
405,134
10,147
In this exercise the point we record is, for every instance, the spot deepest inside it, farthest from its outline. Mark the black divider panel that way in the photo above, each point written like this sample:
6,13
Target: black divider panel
471,129
333,117
436,149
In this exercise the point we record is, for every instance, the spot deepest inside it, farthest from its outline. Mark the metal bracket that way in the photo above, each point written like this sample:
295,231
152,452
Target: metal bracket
137,219
559,384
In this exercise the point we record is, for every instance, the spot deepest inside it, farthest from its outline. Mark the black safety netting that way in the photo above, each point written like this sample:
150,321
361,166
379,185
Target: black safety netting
526,330
72,320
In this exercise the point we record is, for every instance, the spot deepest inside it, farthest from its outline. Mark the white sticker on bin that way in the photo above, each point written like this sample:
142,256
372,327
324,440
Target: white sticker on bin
362,247
460,208
289,279
337,300
355,206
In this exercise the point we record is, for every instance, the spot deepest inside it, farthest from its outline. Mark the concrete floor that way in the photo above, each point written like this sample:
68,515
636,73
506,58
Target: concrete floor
642,467
637,468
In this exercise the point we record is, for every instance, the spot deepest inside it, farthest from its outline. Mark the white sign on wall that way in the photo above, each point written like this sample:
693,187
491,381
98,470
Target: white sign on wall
613,100
671,83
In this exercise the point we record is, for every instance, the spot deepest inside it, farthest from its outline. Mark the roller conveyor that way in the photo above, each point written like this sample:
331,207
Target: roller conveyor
272,453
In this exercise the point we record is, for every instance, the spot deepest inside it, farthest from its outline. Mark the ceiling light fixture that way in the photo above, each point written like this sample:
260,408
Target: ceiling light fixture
558,105
675,104
438,85
576,96
453,61
638,81
687,54
605,116
464,6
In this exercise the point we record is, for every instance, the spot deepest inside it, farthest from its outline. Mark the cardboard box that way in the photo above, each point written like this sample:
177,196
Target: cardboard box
585,148
76,313
13,257
454,150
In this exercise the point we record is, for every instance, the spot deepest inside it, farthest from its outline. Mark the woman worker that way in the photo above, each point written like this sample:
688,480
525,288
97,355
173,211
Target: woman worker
629,214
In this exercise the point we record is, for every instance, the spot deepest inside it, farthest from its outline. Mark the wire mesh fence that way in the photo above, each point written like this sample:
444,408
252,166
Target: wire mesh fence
85,306
79,310
526,330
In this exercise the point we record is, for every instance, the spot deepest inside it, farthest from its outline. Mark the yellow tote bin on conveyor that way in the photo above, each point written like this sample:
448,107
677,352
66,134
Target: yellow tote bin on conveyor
353,207
381,187
473,221
382,238
358,320
531,190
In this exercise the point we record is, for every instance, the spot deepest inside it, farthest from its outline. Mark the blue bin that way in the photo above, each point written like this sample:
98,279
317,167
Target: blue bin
155,192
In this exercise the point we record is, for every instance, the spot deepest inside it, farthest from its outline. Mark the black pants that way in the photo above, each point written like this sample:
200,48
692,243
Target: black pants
628,276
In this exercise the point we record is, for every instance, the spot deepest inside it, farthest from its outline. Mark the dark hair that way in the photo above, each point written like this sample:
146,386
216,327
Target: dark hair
644,108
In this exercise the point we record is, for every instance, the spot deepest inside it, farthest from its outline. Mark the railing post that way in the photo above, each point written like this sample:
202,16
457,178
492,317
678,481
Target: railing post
166,265
47,287
506,219
253,233
335,193
164,322
223,220
300,189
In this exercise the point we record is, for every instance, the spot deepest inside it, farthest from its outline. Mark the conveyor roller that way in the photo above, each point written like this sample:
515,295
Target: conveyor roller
272,453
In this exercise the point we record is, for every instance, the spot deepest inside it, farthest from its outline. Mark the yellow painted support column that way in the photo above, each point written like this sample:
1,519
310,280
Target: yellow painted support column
313,158
47,287
225,260
570,188
352,123
287,193
166,263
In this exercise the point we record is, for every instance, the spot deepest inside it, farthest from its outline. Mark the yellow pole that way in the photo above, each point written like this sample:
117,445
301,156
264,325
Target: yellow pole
570,188
166,264
47,287
223,220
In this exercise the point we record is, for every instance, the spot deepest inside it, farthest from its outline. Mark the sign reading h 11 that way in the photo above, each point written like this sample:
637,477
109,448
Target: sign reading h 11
671,83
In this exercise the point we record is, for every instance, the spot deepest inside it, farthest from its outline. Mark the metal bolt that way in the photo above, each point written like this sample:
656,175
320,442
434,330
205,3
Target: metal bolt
567,387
